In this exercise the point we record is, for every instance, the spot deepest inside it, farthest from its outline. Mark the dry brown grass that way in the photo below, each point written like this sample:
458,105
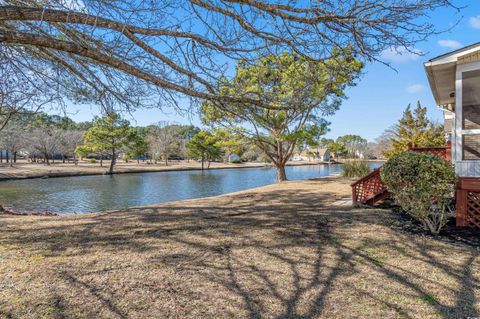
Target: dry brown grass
281,251
24,169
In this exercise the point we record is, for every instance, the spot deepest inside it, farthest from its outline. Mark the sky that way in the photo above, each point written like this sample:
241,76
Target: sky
381,95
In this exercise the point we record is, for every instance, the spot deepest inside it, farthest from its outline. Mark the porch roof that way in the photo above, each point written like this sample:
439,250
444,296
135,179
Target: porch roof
441,74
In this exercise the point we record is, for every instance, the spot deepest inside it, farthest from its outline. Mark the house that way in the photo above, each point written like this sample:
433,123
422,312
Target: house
319,154
323,154
455,83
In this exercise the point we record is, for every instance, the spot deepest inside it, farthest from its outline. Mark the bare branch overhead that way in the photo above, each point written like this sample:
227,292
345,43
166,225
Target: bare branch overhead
145,53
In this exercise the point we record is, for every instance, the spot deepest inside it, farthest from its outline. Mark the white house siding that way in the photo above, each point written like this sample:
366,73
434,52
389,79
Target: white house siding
467,129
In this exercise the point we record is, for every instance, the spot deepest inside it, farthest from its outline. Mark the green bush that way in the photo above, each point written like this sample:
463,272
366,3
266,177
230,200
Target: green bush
355,168
92,161
423,185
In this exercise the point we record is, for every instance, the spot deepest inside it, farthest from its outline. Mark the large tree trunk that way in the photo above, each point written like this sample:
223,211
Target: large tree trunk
112,163
7,156
14,157
281,175
203,161
166,160
47,161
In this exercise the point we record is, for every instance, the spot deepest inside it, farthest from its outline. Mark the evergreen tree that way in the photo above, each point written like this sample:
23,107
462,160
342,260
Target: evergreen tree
136,146
414,128
108,136
205,147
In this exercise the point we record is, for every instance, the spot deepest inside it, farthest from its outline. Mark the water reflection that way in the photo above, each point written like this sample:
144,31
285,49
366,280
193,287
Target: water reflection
98,193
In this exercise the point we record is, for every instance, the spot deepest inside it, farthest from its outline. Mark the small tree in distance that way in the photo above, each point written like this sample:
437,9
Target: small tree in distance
355,145
204,146
108,135
136,146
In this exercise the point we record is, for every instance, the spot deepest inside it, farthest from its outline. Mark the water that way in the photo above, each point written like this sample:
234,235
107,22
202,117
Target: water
82,194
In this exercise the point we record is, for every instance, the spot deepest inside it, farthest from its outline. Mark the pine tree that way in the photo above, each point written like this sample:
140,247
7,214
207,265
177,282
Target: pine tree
414,128
107,136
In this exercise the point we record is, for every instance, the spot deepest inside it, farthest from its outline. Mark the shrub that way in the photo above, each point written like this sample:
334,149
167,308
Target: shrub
355,168
92,161
423,185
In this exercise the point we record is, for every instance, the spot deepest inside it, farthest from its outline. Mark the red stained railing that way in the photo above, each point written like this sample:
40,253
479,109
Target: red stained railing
444,152
467,197
369,189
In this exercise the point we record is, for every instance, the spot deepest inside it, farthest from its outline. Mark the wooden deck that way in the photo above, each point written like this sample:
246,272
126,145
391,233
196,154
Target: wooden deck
369,190
467,195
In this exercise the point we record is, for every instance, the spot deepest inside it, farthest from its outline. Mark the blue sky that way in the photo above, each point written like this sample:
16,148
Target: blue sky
381,95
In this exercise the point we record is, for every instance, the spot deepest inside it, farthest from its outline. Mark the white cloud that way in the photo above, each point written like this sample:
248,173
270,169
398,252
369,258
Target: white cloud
415,88
475,22
400,54
451,44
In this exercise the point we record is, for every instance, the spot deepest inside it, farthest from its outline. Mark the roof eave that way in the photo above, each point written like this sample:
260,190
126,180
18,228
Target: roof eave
431,81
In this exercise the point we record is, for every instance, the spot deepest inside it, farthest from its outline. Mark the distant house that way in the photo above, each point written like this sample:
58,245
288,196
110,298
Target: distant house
323,155
309,155
234,158
359,154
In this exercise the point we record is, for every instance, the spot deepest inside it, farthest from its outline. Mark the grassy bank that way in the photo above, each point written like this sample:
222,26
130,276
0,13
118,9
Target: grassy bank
29,170
295,250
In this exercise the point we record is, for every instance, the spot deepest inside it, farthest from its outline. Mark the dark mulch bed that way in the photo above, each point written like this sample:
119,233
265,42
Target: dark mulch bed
404,222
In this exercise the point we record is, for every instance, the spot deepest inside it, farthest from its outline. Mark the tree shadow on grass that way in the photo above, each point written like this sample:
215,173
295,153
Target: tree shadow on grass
284,253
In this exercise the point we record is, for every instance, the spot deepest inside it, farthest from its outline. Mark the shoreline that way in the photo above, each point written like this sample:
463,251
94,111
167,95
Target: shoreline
136,170
9,211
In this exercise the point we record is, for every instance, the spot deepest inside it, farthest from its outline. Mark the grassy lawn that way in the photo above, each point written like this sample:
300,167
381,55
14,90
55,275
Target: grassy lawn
293,250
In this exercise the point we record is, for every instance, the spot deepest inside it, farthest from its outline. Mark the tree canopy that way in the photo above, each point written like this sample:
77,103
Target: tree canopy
108,136
204,146
354,144
302,92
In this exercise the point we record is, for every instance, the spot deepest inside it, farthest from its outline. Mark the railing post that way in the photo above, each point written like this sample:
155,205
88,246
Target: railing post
448,151
461,207
354,194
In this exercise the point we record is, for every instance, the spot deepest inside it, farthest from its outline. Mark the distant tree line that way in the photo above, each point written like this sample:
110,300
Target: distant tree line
44,138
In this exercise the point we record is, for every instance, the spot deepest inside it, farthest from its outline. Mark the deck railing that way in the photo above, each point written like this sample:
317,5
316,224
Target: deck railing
366,188
370,188
443,151
467,197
